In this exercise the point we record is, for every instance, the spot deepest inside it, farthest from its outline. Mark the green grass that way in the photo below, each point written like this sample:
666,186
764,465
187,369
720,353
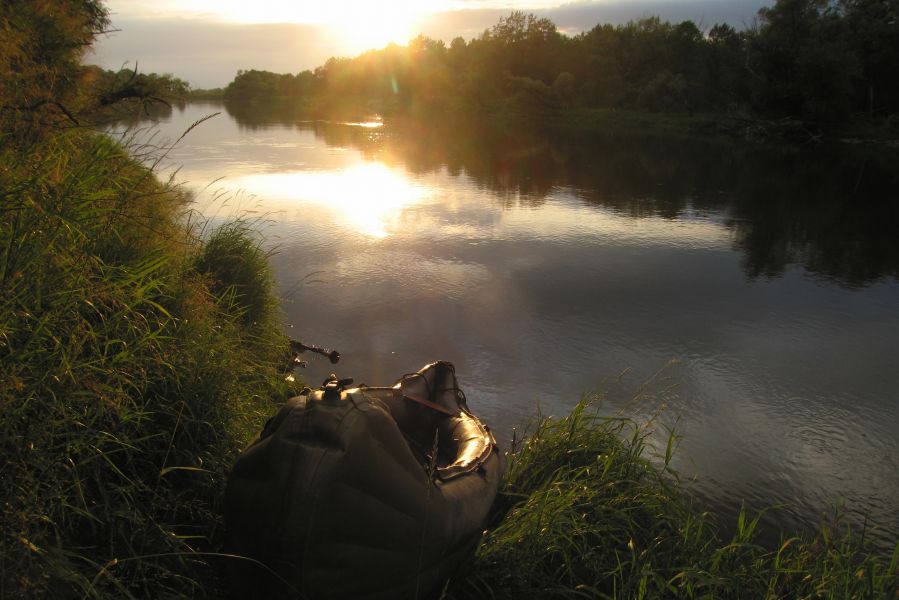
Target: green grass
585,514
238,269
136,358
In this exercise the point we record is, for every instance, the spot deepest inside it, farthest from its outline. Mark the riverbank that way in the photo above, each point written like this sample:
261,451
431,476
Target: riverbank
588,511
581,124
584,122
137,355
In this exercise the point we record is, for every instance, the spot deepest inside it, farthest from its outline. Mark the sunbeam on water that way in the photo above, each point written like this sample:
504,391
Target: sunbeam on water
367,198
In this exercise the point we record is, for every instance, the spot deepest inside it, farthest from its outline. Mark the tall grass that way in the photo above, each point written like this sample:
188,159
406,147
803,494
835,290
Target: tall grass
239,270
585,514
135,358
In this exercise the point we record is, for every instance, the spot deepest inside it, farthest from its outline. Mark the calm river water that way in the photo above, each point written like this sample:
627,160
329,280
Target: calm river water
748,295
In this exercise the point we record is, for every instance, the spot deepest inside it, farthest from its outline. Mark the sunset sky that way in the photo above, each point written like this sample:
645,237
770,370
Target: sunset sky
207,41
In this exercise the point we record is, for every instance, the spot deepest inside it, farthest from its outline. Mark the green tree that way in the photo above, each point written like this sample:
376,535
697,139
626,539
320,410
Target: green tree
254,85
635,64
725,55
41,46
605,71
874,36
802,62
524,45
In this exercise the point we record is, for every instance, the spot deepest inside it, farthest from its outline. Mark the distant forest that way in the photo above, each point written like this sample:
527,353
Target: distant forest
815,60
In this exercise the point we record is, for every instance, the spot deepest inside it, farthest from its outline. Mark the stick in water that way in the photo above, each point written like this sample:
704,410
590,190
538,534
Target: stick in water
332,355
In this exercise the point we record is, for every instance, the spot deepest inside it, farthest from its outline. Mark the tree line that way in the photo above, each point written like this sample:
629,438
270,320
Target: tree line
817,60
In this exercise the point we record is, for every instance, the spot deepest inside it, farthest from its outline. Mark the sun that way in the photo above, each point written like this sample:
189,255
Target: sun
358,25
369,25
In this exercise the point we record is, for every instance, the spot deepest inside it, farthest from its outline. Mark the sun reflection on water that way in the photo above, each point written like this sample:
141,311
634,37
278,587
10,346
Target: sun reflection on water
367,197
370,124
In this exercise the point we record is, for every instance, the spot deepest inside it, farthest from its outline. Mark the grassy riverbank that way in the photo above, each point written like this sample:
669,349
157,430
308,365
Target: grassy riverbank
585,514
137,356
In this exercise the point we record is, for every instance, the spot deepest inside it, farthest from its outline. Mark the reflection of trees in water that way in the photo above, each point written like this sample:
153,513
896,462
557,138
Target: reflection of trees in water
260,114
835,215
833,211
132,114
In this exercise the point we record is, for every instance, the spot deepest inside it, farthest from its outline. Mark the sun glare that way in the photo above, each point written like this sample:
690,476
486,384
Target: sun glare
359,24
367,25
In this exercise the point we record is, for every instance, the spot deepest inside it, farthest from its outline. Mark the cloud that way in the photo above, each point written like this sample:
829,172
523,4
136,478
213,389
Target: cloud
575,17
583,15
208,54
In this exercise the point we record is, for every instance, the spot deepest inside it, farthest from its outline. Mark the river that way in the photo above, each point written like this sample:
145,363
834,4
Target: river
745,296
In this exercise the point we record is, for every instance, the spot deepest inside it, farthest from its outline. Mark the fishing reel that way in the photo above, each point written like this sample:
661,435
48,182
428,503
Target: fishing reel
333,386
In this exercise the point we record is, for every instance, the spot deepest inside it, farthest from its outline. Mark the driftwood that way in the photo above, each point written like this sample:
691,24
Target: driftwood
297,347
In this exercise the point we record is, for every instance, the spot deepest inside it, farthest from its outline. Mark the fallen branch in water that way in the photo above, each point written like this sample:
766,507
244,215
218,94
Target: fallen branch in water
297,347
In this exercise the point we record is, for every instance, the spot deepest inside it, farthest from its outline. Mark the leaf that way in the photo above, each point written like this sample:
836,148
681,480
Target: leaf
168,470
